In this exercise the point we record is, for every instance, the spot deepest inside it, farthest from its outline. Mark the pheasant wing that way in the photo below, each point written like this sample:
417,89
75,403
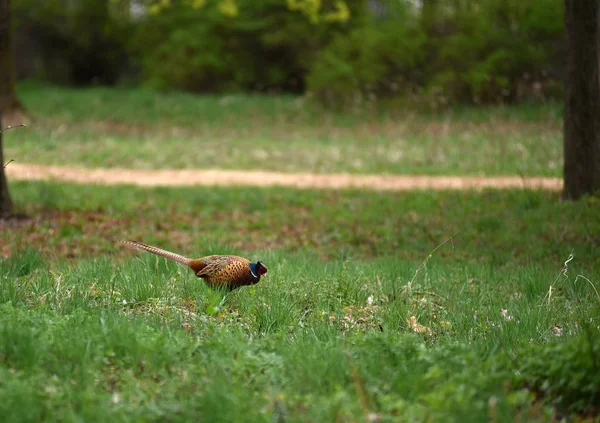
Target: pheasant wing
213,267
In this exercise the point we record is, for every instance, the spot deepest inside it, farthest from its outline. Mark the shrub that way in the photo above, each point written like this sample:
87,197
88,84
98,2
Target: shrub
265,46
496,51
374,60
490,51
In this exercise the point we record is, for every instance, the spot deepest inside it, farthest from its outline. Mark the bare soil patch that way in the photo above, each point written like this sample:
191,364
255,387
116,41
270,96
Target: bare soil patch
215,177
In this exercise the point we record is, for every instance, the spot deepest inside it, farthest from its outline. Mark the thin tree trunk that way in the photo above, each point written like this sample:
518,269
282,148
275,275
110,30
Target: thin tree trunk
13,110
582,99
6,207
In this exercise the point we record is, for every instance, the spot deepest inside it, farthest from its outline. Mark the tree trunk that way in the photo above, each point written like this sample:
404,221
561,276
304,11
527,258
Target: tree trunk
582,99
13,110
6,207
6,79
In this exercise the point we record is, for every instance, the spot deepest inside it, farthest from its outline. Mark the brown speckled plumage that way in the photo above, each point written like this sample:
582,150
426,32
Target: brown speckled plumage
216,270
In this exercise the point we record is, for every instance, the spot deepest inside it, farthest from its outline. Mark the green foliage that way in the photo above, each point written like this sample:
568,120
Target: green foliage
263,47
316,11
497,50
490,51
343,52
378,59
179,52
82,42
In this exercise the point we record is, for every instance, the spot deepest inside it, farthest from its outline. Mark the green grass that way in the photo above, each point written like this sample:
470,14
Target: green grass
143,340
91,332
507,322
501,228
138,128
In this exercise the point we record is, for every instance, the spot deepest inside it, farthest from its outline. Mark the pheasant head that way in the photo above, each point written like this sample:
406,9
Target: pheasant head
258,269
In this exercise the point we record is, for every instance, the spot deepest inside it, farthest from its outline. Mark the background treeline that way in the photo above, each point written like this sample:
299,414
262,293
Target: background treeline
340,52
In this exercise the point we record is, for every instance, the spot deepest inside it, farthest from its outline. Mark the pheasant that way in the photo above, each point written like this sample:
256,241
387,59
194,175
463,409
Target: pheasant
217,270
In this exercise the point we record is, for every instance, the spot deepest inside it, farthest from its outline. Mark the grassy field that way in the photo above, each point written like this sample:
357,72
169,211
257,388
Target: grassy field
144,341
134,128
500,328
409,306
500,228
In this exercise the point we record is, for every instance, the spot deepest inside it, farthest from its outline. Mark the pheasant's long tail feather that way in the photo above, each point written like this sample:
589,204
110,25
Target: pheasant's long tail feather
159,252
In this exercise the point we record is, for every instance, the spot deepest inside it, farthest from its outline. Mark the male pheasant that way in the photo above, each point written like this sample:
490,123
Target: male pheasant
216,270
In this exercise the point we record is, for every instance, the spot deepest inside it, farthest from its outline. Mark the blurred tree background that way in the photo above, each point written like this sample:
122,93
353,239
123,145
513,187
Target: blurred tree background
339,51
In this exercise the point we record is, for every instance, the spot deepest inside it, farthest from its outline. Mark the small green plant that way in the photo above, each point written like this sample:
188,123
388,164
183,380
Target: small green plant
565,374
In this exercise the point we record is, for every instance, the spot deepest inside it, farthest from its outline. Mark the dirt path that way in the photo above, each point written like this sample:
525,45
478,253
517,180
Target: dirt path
189,177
